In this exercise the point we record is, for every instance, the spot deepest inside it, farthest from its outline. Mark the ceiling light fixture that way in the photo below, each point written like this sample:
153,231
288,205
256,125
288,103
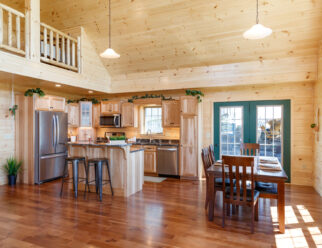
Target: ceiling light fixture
58,85
257,31
90,91
109,53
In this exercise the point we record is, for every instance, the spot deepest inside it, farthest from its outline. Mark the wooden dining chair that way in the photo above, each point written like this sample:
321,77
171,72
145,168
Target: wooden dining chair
266,190
206,164
212,153
249,149
238,170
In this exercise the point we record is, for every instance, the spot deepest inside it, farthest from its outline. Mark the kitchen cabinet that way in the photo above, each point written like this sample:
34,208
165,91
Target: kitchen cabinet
129,115
171,113
150,159
189,146
73,114
110,107
50,103
189,105
96,112
85,110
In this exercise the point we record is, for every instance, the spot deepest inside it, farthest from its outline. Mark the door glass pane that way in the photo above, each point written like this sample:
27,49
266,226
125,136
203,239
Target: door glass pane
231,130
269,130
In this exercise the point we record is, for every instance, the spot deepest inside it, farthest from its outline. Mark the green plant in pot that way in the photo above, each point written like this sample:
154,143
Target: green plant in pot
12,167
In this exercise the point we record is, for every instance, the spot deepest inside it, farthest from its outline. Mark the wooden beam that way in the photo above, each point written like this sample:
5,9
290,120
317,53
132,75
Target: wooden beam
282,70
32,29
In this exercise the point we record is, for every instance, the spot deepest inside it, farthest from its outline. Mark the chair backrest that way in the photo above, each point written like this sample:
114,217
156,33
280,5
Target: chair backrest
212,154
249,149
242,170
205,160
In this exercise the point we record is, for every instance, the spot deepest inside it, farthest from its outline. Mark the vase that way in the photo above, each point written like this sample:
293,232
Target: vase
12,180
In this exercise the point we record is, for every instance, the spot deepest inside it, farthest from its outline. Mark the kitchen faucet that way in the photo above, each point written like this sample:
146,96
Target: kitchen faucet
149,132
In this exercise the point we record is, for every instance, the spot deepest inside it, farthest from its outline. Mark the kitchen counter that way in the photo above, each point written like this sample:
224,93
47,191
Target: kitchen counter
126,165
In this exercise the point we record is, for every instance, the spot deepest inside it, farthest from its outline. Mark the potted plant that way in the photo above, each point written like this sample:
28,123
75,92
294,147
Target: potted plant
117,140
315,127
12,167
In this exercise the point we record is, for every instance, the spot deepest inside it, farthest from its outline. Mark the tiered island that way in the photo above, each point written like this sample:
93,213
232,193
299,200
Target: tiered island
126,165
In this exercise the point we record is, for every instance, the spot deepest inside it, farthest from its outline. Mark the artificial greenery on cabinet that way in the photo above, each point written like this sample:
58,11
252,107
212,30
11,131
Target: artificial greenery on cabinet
31,92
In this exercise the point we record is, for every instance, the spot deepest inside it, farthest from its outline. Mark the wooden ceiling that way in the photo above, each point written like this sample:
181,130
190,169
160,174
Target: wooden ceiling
172,34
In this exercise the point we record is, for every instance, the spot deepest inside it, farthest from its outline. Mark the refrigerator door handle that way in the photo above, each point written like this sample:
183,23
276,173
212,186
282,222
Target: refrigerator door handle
54,131
57,130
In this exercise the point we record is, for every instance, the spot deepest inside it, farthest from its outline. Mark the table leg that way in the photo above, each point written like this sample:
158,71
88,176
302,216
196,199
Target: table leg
281,206
75,176
211,194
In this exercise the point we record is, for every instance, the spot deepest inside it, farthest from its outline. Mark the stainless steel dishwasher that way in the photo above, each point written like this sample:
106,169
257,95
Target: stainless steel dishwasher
167,160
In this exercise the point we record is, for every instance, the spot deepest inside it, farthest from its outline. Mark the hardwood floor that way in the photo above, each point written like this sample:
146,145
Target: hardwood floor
167,214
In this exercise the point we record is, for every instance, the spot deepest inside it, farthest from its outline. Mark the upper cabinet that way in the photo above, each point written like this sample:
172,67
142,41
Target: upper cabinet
96,115
110,107
50,103
129,115
189,105
73,114
171,113
85,114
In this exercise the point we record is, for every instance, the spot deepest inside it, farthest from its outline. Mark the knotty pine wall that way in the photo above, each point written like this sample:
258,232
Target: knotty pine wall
301,96
318,136
7,129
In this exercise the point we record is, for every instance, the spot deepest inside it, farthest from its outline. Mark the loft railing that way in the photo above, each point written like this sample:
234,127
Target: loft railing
10,30
59,49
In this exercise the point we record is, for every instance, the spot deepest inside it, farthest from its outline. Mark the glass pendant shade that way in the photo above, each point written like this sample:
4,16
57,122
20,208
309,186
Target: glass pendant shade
257,31
109,53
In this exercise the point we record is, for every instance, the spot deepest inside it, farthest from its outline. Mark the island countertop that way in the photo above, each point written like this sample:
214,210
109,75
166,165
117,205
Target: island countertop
86,143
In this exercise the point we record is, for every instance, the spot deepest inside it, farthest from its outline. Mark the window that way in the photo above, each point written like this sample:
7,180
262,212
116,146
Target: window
153,120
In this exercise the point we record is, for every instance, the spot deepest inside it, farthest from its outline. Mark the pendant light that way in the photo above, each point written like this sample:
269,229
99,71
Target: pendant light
109,53
257,31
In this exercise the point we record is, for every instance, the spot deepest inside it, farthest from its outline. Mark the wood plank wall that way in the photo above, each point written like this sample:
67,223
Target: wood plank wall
7,128
301,96
318,136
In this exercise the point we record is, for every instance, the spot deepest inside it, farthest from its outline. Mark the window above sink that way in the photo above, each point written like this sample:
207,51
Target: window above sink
153,120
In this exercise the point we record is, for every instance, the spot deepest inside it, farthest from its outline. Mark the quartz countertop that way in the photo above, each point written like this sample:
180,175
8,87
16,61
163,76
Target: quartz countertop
86,143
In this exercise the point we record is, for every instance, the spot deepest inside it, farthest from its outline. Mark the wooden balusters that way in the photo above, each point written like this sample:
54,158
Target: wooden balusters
79,54
45,42
57,47
63,49
51,44
68,51
12,42
73,53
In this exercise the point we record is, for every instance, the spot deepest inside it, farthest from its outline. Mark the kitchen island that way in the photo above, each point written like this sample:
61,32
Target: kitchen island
126,165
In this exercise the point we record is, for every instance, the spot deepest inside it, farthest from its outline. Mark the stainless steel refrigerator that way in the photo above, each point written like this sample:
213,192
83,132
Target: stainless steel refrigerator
50,145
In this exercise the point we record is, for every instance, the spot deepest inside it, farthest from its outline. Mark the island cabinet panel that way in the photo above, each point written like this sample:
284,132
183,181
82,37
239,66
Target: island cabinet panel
189,146
150,159
171,113
50,103
73,114
85,114
110,107
96,115
189,105
129,115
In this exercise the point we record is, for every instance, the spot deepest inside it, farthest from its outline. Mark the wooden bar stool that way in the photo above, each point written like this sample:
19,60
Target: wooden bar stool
75,161
99,182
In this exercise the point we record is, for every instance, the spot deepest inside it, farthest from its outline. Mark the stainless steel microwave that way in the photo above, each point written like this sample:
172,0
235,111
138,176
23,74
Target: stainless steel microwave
110,120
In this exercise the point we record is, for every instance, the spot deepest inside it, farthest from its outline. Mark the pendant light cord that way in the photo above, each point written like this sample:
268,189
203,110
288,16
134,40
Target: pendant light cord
109,24
257,19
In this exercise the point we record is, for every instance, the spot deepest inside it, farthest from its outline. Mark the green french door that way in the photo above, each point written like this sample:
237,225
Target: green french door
264,122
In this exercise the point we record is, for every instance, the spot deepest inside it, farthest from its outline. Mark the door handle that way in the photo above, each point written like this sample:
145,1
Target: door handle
54,131
57,130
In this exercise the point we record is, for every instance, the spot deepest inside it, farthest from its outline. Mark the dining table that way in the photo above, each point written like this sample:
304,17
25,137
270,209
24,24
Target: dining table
260,175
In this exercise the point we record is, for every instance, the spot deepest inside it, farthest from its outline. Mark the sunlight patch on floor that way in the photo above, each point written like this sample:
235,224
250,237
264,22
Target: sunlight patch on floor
316,236
305,214
290,217
292,238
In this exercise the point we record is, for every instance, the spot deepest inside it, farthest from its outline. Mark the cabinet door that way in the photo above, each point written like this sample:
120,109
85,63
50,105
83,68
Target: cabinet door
189,146
96,115
127,114
150,162
189,105
171,113
42,103
105,107
116,107
85,114
57,103
73,114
